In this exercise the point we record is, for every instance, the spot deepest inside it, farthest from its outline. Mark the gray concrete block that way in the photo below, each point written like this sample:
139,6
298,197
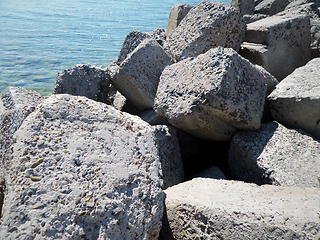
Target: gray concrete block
275,155
207,25
213,95
220,209
296,100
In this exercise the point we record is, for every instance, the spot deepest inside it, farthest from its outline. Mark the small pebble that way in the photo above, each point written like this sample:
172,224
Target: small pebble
78,200
35,178
66,191
90,205
37,163
40,143
74,176
37,206
82,213
58,157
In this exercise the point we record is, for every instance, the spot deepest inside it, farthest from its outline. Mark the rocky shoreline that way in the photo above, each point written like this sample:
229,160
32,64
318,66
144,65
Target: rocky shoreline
207,130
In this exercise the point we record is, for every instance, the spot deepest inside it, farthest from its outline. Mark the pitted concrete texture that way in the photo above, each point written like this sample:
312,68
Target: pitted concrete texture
207,25
82,169
296,100
214,94
220,209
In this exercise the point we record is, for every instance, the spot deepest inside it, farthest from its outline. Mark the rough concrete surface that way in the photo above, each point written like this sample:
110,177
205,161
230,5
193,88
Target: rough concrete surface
207,25
296,3
14,98
178,12
271,7
169,153
16,104
296,100
220,209
244,6
213,95
81,169
282,36
132,40
315,37
138,75
83,80
275,155
252,18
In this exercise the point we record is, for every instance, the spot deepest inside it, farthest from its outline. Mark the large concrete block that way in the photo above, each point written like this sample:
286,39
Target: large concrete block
287,39
271,7
132,40
15,98
80,169
220,209
296,3
207,25
244,6
275,155
178,12
296,100
315,38
83,80
138,75
213,95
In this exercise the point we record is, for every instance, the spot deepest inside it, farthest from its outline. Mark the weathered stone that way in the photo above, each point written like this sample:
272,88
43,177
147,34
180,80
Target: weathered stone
159,35
315,38
220,209
118,101
138,75
213,95
252,18
14,98
207,25
106,184
284,49
296,100
271,7
17,103
112,69
275,155
244,6
296,3
170,158
213,172
130,43
83,80
309,9
264,56
178,12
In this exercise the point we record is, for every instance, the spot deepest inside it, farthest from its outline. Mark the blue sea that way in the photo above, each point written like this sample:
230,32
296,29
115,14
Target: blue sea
40,38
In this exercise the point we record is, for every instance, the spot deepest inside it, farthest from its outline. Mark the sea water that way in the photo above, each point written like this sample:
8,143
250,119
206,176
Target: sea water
40,38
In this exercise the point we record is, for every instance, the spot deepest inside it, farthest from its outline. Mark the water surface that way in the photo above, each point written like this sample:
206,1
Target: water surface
40,38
